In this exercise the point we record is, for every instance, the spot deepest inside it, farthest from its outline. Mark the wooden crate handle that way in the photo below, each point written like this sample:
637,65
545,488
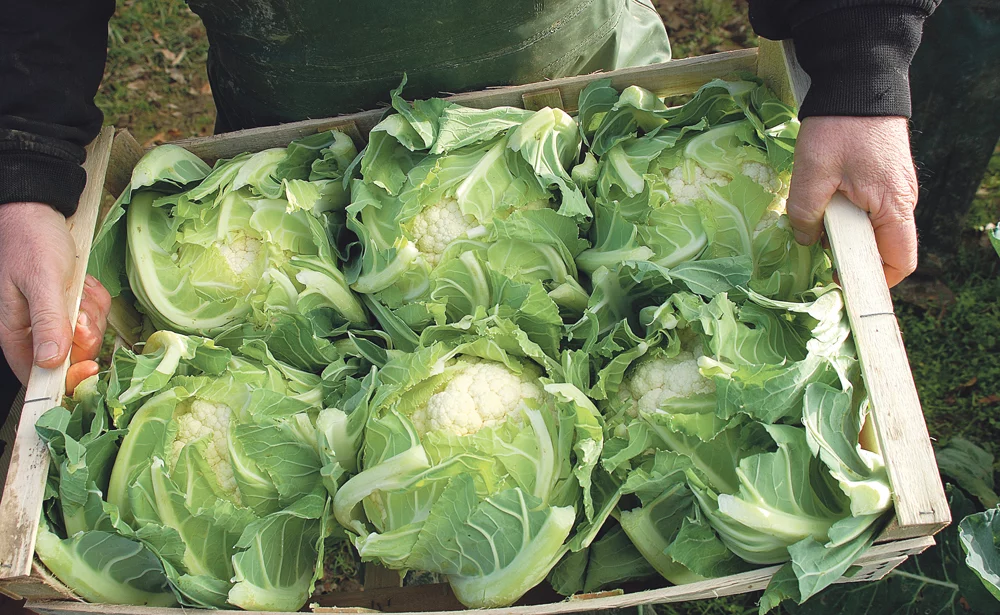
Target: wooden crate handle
921,504
22,495
920,501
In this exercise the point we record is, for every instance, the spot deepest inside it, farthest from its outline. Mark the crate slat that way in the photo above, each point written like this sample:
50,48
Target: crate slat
7,434
125,153
377,576
921,504
414,600
39,585
667,79
546,98
874,572
25,484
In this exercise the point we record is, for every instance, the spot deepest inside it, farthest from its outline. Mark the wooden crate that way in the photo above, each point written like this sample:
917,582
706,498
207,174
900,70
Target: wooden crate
921,508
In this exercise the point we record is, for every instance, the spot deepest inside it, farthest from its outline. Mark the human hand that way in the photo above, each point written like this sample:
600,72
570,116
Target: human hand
37,255
869,160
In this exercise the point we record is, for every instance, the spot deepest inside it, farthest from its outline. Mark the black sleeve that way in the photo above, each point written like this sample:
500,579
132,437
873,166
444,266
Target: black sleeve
857,52
52,55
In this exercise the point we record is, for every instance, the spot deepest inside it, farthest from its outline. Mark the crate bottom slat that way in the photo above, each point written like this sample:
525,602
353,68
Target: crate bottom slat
874,564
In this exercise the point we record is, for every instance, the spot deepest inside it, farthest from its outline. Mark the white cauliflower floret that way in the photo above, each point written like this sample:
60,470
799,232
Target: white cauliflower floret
241,253
484,394
771,217
686,183
659,379
686,192
206,418
762,174
439,225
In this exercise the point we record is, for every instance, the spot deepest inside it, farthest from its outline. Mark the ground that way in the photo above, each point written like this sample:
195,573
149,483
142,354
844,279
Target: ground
949,311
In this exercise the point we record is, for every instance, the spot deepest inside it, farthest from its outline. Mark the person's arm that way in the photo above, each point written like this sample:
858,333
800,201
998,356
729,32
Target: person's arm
52,56
854,136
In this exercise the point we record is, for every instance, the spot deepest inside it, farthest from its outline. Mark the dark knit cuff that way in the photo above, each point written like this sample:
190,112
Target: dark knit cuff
858,60
40,178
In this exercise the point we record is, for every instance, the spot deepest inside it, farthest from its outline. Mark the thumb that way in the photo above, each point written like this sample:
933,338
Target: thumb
51,334
808,196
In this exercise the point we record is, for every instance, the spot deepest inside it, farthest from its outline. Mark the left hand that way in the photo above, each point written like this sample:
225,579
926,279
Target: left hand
869,160
89,334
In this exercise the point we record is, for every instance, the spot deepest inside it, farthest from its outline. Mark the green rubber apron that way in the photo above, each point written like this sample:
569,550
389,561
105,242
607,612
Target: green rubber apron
273,61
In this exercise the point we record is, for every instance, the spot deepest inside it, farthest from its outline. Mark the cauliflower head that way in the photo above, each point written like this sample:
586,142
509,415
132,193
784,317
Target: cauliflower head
481,394
242,253
204,419
686,183
435,227
656,379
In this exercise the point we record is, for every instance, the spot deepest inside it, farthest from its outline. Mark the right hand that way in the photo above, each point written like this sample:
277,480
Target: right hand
37,256
869,160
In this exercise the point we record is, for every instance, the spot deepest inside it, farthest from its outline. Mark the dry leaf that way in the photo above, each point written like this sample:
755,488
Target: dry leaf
136,85
179,57
206,89
177,76
155,139
134,72
168,55
971,383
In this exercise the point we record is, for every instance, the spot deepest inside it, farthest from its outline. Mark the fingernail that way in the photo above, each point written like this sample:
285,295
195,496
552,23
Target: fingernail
803,238
46,351
82,320
90,281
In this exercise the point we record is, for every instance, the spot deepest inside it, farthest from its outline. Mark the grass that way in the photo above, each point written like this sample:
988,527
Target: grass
155,85
949,314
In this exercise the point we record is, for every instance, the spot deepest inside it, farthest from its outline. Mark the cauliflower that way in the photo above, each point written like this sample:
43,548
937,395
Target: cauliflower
482,394
686,190
437,226
200,419
658,379
241,253
763,175
686,183
771,217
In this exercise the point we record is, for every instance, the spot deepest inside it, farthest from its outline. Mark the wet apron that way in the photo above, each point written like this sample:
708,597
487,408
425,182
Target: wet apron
273,61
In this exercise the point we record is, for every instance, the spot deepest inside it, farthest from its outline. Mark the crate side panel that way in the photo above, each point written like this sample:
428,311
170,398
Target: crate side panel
377,576
125,153
439,598
82,608
40,585
237,142
874,572
667,79
7,433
